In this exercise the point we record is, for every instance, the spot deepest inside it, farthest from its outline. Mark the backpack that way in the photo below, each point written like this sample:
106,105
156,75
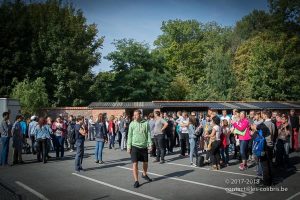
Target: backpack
259,145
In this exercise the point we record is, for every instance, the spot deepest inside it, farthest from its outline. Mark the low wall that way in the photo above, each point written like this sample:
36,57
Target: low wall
83,111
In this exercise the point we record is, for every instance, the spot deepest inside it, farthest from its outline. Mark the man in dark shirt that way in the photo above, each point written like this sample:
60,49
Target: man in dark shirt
80,134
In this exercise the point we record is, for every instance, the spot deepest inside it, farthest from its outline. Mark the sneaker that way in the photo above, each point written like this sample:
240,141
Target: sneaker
146,177
101,162
96,161
242,167
162,162
193,165
136,184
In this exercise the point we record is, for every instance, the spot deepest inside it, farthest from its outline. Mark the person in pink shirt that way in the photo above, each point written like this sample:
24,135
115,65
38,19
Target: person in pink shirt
243,125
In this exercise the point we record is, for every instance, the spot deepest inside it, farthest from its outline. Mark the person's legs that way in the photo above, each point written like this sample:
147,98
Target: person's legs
286,153
32,143
161,143
158,150
77,161
97,150
5,147
187,143
192,145
145,168
61,144
15,155
243,149
101,146
57,146
227,154
44,152
196,146
38,150
222,152
122,141
135,171
82,153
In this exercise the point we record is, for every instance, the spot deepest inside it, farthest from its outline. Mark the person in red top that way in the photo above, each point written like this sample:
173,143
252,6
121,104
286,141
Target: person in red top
111,132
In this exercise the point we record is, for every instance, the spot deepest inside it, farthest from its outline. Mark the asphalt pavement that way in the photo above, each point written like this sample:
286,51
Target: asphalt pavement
175,179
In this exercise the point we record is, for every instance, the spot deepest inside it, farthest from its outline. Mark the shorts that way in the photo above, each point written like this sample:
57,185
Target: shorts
139,154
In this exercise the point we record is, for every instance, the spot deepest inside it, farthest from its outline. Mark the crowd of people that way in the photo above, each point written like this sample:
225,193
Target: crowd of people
259,138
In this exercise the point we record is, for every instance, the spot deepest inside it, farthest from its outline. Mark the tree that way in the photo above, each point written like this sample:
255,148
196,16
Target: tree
48,40
139,74
31,94
267,67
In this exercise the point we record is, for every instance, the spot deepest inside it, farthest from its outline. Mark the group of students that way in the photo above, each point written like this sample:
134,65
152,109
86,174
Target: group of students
157,134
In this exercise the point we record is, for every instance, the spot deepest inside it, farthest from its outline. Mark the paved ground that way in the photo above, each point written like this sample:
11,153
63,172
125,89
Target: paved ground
113,180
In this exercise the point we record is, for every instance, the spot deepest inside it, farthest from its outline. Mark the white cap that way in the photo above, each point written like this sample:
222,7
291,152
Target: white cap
33,117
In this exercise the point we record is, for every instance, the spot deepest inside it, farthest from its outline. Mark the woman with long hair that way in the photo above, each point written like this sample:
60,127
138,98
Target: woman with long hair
192,136
214,138
101,135
42,134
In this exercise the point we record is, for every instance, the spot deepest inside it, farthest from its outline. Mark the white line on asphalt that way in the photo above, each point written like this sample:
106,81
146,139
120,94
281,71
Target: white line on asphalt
193,182
39,195
221,171
290,198
116,187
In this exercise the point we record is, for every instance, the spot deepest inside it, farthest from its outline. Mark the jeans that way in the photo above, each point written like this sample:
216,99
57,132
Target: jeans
59,146
4,151
111,140
170,142
79,154
153,152
244,149
160,146
32,137
215,152
123,141
42,150
184,143
192,149
91,133
282,152
225,154
99,150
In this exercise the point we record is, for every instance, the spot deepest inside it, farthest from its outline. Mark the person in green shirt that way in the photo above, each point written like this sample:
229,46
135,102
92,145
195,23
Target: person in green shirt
138,142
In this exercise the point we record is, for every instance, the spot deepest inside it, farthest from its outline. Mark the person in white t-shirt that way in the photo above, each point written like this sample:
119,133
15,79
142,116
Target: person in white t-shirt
184,134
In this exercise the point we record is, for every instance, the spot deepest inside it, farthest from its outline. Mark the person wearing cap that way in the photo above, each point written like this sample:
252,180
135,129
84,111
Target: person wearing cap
31,132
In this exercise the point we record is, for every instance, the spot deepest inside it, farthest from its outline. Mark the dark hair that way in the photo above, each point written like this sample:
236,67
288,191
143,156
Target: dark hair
5,114
267,113
192,120
138,111
216,120
151,115
157,113
18,117
79,118
101,118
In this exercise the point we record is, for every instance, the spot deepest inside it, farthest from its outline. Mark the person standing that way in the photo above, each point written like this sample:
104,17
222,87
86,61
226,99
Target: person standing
80,134
59,129
5,130
192,141
243,125
214,138
91,127
122,126
100,136
71,132
159,137
139,138
152,125
42,134
17,141
111,132
184,134
31,128
294,124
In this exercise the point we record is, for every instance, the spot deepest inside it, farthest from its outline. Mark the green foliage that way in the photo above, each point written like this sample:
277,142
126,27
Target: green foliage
31,94
52,41
257,59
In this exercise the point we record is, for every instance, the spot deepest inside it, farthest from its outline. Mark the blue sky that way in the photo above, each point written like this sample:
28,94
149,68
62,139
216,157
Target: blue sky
142,19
